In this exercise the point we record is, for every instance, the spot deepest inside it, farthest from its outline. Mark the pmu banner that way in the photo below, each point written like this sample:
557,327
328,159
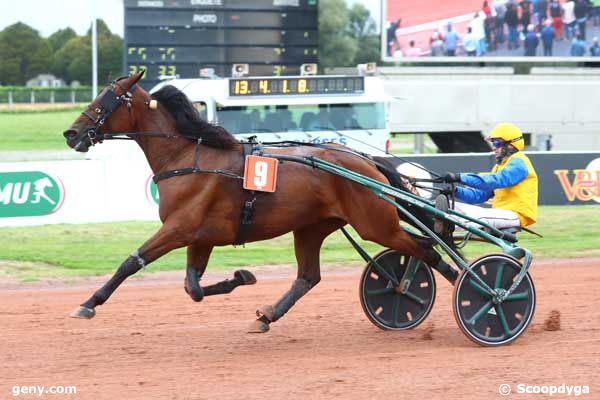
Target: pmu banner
29,193
81,191
569,178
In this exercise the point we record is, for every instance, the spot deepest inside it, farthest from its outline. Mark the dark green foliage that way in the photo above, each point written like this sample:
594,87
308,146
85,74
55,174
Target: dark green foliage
25,54
64,54
364,29
59,38
346,37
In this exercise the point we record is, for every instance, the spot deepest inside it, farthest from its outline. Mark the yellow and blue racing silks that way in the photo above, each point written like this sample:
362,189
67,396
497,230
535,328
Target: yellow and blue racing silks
513,183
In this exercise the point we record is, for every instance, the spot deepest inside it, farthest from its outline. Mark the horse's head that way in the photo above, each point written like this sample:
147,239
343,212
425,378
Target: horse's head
113,107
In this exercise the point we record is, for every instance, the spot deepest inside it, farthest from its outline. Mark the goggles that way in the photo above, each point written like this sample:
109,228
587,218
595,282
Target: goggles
497,143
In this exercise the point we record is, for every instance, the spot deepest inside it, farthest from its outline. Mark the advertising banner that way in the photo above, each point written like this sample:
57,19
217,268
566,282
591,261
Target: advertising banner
38,193
88,191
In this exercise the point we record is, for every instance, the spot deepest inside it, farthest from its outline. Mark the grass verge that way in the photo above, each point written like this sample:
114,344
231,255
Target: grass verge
55,251
40,130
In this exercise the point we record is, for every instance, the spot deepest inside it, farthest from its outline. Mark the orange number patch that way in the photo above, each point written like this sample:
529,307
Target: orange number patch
260,174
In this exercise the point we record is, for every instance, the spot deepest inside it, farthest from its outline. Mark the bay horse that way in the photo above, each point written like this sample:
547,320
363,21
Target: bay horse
202,208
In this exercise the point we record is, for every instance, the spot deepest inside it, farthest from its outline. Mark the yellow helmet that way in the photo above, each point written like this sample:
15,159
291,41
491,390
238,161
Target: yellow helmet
509,133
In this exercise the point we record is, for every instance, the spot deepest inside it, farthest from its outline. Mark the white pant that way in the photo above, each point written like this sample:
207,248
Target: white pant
496,217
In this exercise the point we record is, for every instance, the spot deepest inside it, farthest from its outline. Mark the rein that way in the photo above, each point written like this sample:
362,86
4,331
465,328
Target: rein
130,135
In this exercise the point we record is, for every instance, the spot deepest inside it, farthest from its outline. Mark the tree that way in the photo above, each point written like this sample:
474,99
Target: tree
110,58
110,52
346,37
59,38
363,28
74,60
336,47
25,54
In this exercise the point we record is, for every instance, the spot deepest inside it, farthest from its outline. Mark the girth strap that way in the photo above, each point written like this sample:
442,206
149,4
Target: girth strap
250,148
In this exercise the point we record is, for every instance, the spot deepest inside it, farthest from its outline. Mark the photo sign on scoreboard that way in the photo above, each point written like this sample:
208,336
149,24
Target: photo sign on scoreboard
181,37
499,30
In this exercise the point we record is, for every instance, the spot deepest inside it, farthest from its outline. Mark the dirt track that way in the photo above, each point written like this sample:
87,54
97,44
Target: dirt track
151,341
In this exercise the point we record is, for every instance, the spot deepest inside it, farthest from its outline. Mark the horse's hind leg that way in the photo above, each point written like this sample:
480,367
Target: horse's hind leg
197,260
158,245
388,233
307,245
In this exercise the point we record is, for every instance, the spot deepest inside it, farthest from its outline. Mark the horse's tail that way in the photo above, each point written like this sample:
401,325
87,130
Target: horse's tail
388,170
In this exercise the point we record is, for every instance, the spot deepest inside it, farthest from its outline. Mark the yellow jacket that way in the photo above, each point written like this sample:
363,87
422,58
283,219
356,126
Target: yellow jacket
521,198
513,183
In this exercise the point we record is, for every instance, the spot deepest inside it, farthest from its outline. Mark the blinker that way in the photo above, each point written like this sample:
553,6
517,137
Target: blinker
110,101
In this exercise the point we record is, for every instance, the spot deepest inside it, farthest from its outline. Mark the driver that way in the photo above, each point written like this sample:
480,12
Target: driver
513,183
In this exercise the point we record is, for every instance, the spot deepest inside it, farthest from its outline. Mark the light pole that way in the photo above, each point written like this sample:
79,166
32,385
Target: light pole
94,58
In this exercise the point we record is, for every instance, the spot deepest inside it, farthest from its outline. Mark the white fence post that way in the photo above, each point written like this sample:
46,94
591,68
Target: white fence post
52,96
72,96
10,98
32,97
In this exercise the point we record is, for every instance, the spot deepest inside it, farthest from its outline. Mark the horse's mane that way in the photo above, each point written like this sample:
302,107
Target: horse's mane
188,121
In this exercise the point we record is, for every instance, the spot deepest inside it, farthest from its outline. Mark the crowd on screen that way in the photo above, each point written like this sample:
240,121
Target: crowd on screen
531,25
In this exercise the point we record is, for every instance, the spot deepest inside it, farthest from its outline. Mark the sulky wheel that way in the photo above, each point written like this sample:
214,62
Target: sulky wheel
485,321
383,303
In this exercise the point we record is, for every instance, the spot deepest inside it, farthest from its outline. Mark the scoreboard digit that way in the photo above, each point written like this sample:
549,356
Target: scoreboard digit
309,85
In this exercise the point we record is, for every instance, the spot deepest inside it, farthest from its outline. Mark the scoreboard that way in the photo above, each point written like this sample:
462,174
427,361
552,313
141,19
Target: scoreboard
181,37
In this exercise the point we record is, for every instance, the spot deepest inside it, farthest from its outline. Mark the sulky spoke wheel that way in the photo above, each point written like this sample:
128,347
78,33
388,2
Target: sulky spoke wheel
384,305
484,321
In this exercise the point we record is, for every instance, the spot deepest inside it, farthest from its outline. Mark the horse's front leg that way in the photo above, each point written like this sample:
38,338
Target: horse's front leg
197,260
163,241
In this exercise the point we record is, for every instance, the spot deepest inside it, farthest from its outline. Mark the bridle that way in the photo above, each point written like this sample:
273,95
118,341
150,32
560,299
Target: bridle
109,102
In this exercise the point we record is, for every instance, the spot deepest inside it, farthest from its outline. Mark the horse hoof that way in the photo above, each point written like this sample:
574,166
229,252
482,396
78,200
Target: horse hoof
245,276
196,295
83,312
258,326
267,311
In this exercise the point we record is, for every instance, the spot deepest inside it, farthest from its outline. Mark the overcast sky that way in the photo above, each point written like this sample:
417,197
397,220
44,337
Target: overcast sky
48,16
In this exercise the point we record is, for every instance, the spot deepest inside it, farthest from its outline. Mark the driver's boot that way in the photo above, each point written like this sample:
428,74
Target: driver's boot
441,204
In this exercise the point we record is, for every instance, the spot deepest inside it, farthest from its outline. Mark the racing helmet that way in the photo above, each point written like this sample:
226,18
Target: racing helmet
510,133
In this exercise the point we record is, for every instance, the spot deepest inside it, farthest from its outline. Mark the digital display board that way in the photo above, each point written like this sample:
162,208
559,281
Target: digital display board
309,85
495,31
223,19
158,36
212,54
182,37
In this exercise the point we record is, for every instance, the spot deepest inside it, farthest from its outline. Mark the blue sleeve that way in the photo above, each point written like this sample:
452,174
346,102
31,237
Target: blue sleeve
473,196
482,187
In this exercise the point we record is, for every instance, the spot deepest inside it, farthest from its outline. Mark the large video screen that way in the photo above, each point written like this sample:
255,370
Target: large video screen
494,30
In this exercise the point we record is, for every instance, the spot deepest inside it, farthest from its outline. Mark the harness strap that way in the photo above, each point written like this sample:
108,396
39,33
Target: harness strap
254,148
176,172
197,154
